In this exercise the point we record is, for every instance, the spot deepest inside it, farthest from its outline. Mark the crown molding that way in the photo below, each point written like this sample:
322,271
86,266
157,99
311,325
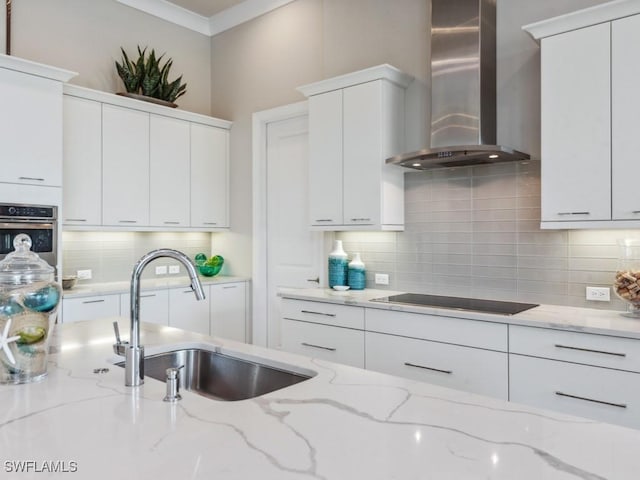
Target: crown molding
225,20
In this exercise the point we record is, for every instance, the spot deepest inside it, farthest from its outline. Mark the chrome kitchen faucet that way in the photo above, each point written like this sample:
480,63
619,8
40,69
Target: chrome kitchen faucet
134,352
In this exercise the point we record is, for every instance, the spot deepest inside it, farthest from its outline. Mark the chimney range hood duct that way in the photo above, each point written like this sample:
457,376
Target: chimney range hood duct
463,89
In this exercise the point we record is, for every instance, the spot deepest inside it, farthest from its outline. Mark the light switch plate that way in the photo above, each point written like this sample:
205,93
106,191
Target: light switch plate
382,279
84,274
161,270
598,294
174,269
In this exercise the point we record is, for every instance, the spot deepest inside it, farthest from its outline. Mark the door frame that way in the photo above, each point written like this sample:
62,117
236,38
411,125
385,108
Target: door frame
259,290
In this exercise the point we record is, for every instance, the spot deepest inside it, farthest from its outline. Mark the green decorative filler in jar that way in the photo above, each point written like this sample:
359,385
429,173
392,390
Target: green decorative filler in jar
29,299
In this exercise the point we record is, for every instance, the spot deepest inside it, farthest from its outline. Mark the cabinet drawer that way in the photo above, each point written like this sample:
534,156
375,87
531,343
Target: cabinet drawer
453,366
154,306
473,333
340,345
90,308
590,349
325,313
598,393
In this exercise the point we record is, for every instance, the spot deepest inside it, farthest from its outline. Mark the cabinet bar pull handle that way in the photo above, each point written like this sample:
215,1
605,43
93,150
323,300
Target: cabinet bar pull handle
172,223
324,219
148,295
574,213
76,220
32,178
318,346
93,301
616,354
635,211
448,372
360,219
127,221
318,313
231,286
619,405
316,280
210,223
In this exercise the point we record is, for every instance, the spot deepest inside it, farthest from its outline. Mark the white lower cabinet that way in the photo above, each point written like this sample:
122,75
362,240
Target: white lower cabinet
454,366
228,317
336,344
90,308
598,393
187,312
154,306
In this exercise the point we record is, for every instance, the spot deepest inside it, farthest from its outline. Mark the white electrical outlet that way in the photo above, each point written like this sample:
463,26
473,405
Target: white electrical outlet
174,269
382,279
161,270
598,294
84,274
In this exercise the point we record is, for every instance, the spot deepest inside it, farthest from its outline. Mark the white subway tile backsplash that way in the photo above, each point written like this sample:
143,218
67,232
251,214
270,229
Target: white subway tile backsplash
475,231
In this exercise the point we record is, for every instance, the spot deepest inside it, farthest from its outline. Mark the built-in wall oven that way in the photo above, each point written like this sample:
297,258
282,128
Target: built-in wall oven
40,222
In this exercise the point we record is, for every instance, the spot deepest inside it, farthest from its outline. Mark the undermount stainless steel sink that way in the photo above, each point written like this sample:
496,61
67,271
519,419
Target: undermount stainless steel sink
219,376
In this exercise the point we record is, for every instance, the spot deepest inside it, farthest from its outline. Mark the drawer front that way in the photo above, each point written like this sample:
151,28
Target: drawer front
472,333
325,313
90,308
340,345
154,306
598,350
601,394
453,366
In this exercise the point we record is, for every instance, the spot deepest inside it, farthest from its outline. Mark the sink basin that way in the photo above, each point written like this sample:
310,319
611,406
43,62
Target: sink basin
219,376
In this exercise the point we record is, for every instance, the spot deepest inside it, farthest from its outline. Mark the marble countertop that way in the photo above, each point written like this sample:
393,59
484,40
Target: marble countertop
588,320
113,288
344,423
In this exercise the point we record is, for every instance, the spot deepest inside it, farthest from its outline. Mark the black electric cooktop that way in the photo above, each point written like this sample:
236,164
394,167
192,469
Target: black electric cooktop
457,303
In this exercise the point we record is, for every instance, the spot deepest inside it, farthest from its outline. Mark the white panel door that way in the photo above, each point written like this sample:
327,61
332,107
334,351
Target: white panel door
169,175
294,252
90,308
30,129
362,153
125,167
187,312
625,105
576,125
325,159
209,176
82,165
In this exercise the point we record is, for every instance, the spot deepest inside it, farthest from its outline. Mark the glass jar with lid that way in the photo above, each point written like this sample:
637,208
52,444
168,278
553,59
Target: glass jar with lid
29,298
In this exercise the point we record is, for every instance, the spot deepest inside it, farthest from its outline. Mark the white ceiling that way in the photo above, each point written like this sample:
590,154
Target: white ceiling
208,17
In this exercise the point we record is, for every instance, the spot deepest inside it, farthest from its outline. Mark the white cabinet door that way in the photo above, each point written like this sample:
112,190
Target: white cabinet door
464,368
30,129
228,311
154,306
82,164
625,105
125,162
169,176
599,393
325,159
336,344
90,308
576,125
187,312
209,176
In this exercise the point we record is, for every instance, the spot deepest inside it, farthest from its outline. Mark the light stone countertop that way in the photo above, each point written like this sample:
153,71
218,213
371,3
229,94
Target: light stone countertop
345,423
588,320
114,288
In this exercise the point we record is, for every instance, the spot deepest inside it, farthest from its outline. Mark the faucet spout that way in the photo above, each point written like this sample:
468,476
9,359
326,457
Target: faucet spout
134,353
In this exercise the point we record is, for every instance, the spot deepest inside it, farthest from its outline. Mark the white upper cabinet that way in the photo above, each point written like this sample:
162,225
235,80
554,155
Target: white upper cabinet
31,122
125,166
169,172
209,176
138,166
82,165
589,66
356,122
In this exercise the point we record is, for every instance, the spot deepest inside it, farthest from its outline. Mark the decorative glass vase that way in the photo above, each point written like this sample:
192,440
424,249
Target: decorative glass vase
338,265
356,274
29,298
627,281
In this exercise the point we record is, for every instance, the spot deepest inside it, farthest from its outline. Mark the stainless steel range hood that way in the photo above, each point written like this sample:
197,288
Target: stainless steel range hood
463,89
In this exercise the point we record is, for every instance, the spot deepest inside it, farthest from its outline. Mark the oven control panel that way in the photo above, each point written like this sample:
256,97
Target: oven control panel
27,211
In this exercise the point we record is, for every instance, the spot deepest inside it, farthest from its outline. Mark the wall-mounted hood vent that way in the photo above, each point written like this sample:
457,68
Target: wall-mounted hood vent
463,89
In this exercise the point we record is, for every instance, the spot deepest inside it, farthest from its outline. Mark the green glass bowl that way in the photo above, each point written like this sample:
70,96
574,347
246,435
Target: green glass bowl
209,271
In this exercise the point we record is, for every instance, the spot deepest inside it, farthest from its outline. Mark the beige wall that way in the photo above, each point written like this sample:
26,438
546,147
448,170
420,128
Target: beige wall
85,36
